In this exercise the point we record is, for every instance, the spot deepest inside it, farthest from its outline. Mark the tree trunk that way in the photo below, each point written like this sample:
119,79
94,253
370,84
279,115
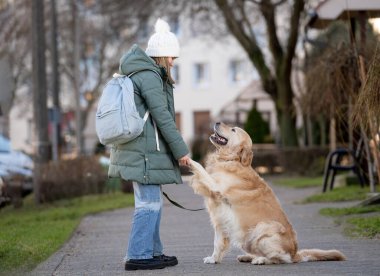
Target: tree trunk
39,93
288,130
286,113
281,92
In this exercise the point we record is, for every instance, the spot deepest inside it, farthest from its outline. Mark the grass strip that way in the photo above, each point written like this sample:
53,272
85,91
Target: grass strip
368,227
356,210
32,233
349,193
358,225
299,182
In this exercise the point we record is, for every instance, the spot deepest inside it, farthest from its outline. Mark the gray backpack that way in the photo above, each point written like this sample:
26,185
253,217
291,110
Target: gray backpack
117,120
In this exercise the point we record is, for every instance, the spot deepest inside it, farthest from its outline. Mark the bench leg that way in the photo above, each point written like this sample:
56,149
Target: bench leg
325,180
332,180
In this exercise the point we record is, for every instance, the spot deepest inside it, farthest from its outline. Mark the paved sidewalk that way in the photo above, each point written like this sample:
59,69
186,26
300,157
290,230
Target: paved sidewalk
98,245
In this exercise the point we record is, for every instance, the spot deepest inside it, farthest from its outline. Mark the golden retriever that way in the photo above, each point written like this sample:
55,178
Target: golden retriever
243,209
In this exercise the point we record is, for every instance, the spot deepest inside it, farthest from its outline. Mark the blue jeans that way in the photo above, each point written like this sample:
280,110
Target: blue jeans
144,239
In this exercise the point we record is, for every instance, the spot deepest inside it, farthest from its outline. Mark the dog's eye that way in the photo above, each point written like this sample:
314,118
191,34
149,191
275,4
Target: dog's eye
233,130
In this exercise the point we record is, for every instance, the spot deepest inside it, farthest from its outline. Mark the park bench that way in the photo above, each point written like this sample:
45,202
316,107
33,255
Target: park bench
343,159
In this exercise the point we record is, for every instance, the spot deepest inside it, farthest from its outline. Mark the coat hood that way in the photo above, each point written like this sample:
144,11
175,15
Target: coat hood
137,60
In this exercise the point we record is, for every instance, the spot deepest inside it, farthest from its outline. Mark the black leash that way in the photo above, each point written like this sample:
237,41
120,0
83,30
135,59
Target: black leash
179,205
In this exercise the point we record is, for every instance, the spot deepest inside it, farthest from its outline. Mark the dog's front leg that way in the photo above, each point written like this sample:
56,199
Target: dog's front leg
202,175
202,189
221,245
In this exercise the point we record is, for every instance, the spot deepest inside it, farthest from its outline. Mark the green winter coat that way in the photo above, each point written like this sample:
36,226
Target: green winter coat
139,160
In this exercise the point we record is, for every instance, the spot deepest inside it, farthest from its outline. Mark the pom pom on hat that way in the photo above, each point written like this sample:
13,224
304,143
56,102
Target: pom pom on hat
162,43
161,26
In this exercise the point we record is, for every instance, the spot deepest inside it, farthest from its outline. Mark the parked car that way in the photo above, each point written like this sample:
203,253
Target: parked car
16,173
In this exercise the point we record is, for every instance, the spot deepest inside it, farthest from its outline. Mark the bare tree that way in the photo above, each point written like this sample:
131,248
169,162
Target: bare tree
273,59
92,36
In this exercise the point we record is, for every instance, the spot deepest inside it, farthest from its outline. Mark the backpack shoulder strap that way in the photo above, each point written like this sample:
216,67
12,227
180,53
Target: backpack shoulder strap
159,76
117,75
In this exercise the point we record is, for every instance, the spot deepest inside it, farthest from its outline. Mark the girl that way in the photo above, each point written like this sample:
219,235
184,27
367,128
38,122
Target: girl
154,157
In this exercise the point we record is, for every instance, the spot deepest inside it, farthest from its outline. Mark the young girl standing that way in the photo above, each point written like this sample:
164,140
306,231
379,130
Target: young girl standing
153,158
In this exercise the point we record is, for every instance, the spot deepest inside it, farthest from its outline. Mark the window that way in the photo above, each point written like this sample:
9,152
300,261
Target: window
236,71
201,74
175,73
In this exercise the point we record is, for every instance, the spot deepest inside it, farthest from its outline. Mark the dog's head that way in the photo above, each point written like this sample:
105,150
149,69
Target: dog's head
233,143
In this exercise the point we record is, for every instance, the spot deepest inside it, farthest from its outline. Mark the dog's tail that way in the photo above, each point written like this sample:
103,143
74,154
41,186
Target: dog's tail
313,255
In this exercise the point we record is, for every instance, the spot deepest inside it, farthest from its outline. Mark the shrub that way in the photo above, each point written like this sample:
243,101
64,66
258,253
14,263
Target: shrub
298,161
303,161
71,178
256,127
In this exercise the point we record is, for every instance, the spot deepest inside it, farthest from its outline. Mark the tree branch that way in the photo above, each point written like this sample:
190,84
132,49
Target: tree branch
249,44
100,80
298,7
268,11
245,21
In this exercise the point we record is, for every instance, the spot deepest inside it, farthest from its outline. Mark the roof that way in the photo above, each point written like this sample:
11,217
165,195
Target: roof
244,101
330,10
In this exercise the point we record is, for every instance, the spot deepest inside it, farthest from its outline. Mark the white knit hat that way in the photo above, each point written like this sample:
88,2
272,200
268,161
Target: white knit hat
163,43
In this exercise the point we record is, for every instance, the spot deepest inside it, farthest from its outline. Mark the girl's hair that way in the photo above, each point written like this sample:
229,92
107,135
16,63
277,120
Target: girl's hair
163,61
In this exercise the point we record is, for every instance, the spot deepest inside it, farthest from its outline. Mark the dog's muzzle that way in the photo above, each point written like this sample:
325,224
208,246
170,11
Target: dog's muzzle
218,138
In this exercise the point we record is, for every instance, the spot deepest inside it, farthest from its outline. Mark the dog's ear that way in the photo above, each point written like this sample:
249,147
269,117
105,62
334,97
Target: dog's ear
246,156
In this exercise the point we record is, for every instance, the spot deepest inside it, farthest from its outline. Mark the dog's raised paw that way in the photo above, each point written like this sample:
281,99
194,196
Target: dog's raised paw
195,165
209,260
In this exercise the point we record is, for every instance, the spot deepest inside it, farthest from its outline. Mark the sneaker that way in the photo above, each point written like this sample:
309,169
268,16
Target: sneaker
169,260
145,264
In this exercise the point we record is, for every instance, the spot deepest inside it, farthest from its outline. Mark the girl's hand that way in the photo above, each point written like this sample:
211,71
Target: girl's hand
184,161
